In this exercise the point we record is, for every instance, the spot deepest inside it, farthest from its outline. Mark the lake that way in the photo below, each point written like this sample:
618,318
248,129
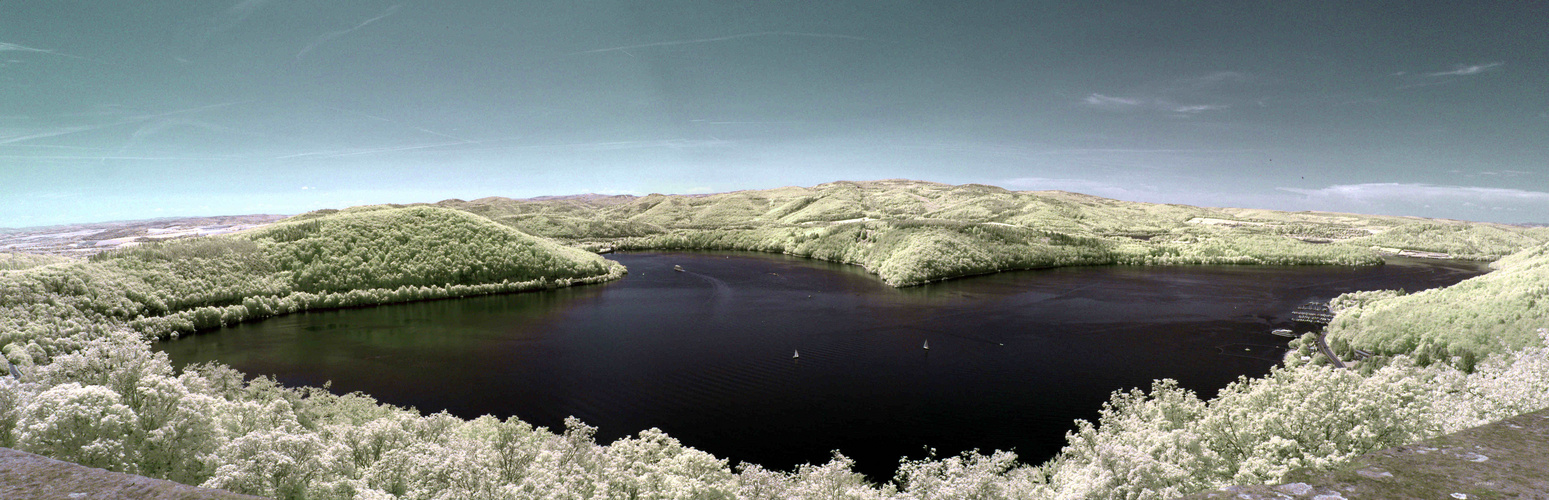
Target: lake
707,354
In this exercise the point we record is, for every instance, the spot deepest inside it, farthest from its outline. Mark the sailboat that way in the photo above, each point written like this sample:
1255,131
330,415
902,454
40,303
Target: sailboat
927,345
677,268
795,354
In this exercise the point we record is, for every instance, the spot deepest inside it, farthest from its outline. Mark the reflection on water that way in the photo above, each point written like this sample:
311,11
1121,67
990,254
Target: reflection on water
706,354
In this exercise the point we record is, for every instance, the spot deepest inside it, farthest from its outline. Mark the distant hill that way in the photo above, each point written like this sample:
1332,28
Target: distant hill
911,232
80,240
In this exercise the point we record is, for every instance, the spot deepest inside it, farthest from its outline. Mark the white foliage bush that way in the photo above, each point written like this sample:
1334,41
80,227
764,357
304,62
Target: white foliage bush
1144,445
11,401
1502,386
654,465
1167,442
831,481
177,431
971,476
427,470
278,463
83,424
116,404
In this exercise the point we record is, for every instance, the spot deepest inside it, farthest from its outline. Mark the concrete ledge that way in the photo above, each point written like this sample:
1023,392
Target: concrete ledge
1505,459
25,475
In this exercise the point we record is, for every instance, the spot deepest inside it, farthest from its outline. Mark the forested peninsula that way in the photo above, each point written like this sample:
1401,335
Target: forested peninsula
359,256
84,385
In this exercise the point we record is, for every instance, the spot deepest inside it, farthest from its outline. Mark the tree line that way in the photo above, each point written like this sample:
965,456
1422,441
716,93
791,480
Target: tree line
90,389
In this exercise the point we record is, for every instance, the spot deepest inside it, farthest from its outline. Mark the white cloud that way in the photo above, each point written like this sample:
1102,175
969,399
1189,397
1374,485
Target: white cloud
1506,173
1181,95
1212,81
1416,199
20,48
759,34
1199,108
1462,70
1111,102
1427,193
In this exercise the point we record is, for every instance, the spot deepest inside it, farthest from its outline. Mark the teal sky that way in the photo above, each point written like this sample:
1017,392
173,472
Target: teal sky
116,109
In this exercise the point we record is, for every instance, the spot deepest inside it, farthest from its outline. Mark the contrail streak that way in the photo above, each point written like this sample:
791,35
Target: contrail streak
336,34
48,146
395,122
313,153
138,158
1469,70
51,133
23,48
126,121
722,39
388,150
585,146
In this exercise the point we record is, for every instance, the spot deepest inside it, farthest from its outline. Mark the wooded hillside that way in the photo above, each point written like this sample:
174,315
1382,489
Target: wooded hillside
368,255
911,232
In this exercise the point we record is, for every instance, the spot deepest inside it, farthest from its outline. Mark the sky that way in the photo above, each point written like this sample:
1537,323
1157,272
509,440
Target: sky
117,109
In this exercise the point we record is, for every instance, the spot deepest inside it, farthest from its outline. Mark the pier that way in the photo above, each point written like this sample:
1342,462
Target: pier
1317,313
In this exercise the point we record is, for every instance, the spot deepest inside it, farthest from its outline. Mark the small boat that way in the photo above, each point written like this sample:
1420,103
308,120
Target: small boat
1284,332
795,354
677,268
927,345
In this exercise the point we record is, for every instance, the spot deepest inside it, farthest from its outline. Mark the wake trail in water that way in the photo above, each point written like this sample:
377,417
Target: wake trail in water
719,287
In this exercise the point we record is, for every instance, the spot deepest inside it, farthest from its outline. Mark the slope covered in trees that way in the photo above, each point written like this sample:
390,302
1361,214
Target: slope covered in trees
17,261
368,255
911,232
1493,313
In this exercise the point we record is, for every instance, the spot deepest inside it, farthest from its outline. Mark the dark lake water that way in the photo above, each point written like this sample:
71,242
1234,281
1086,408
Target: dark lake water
706,354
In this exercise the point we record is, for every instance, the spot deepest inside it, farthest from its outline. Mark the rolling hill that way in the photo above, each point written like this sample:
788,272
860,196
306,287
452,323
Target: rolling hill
912,232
